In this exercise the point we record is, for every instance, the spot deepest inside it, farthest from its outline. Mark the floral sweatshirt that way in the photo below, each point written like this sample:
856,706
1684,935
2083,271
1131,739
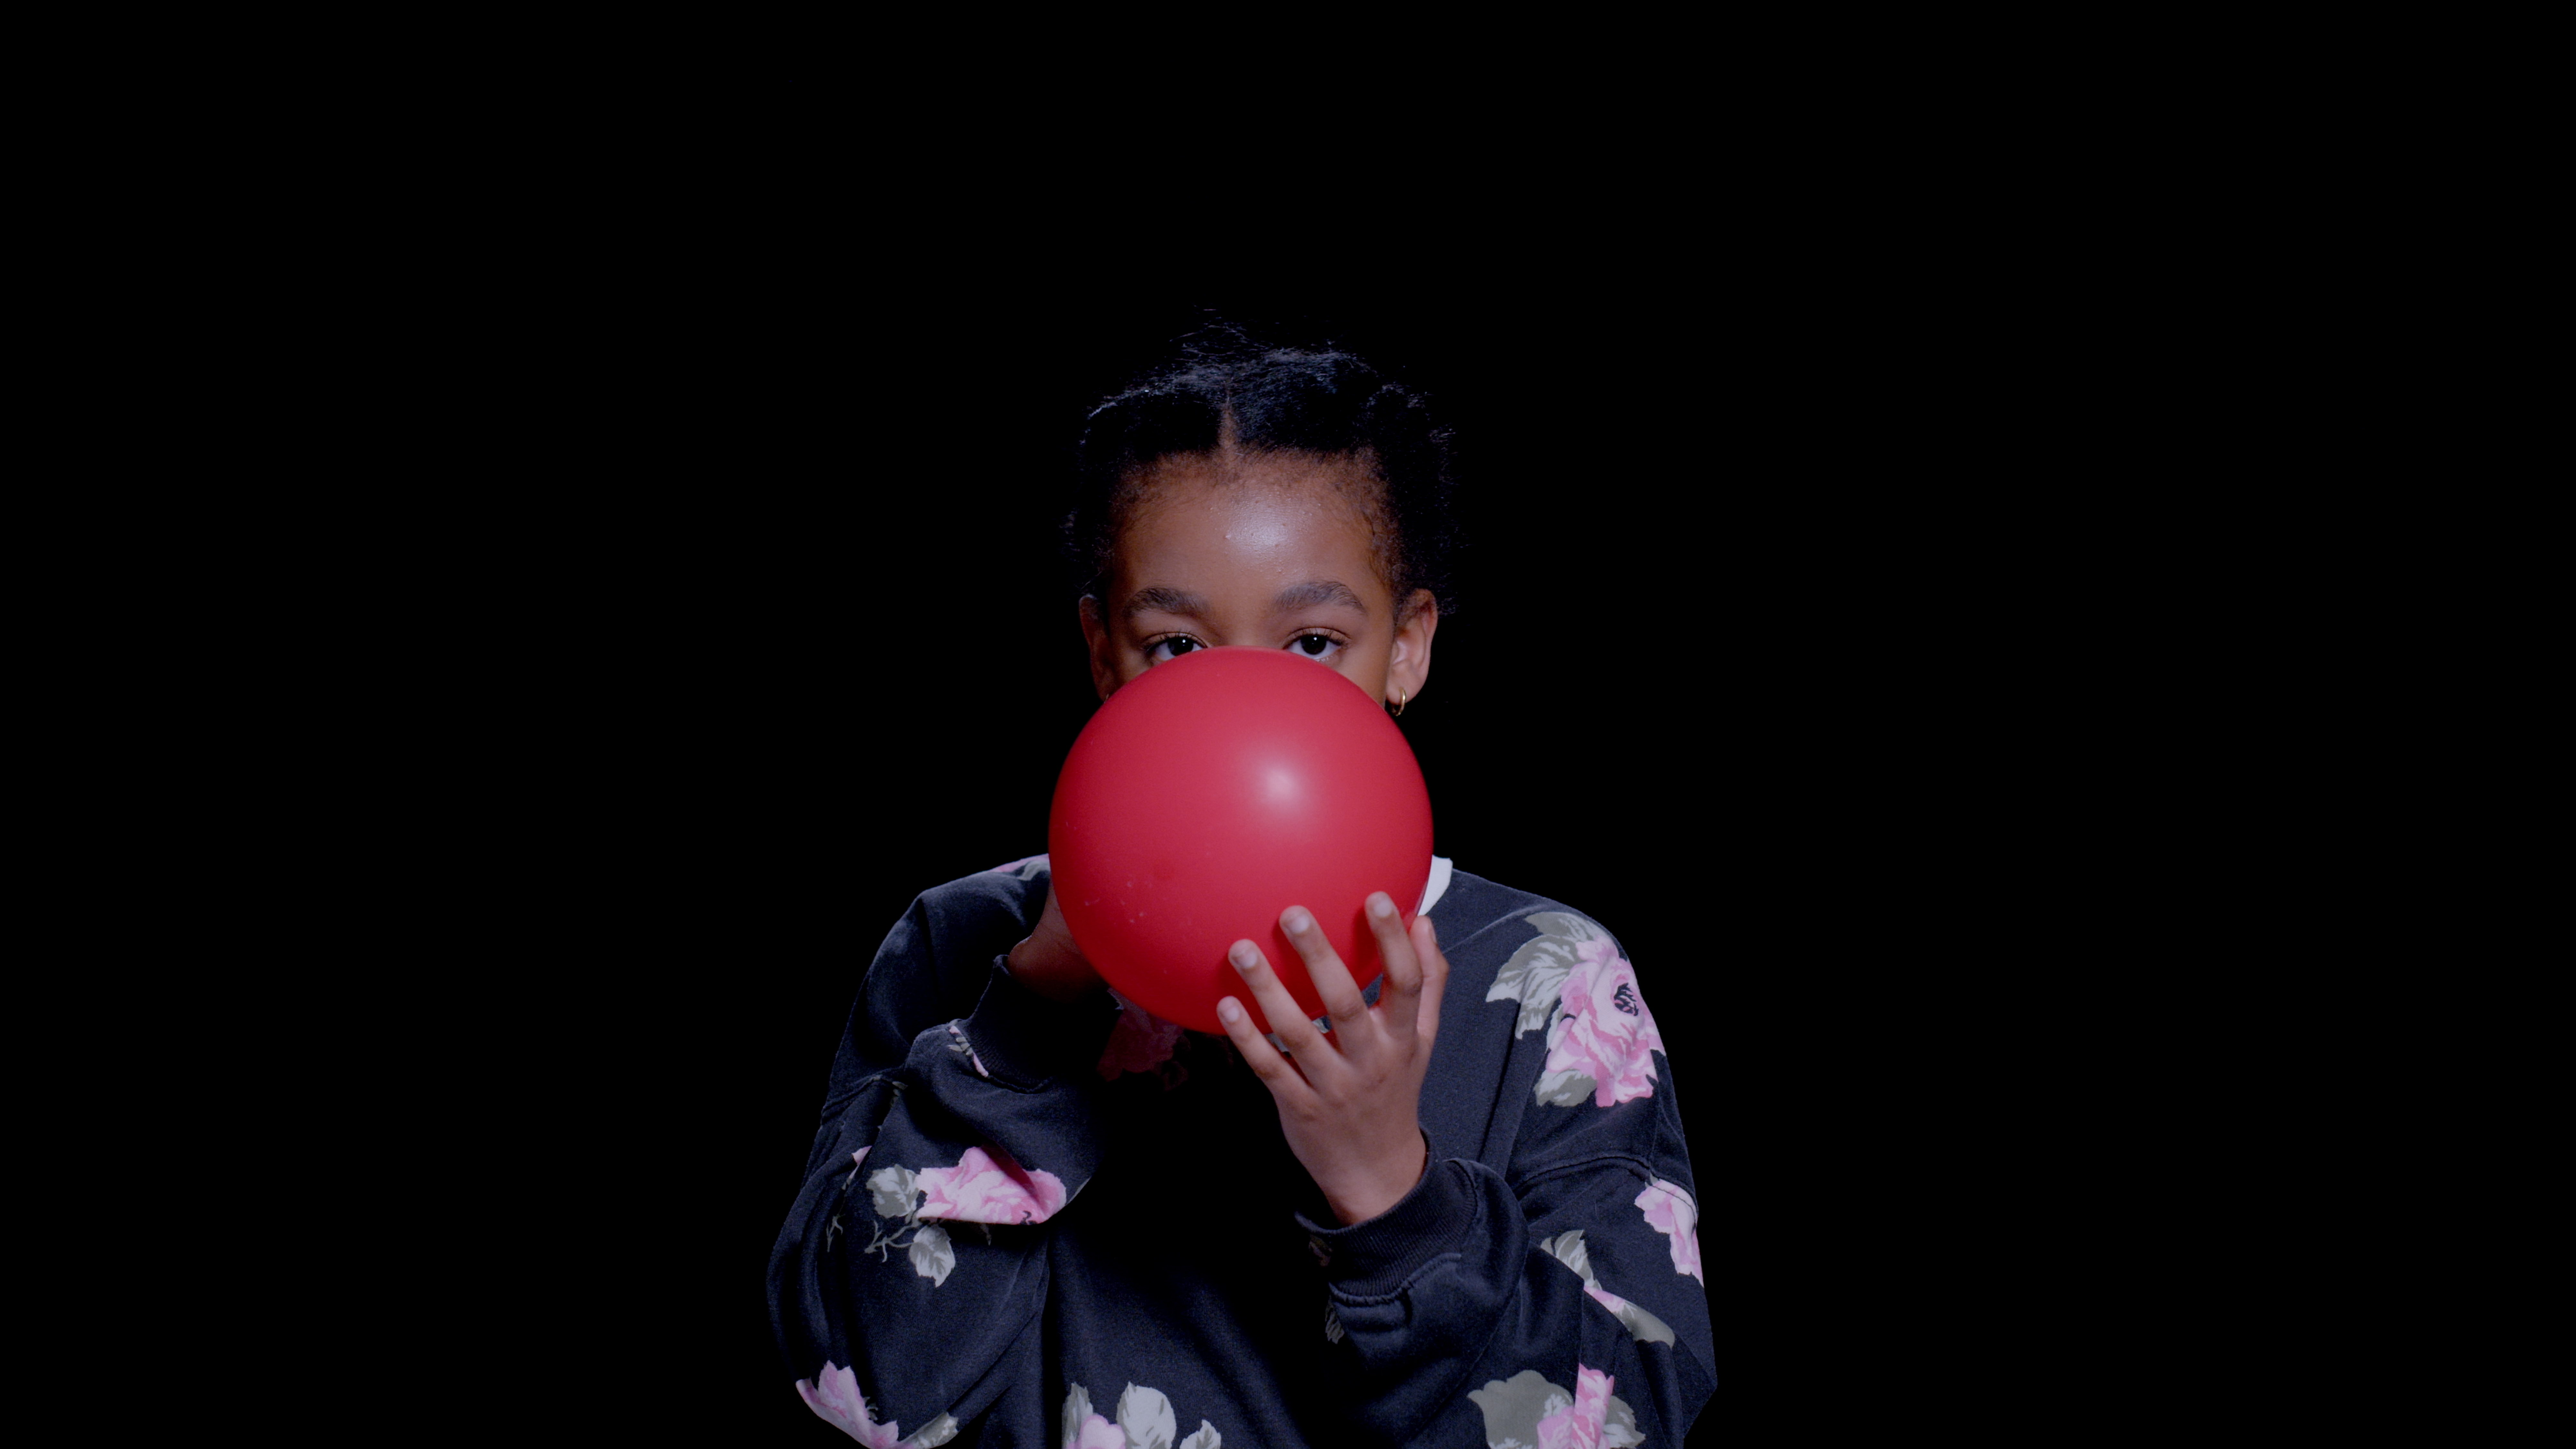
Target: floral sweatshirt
1079,1227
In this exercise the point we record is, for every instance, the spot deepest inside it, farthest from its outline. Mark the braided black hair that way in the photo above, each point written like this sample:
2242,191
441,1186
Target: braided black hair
1327,403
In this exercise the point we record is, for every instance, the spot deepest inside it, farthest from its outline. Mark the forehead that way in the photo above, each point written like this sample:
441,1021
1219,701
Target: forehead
1211,522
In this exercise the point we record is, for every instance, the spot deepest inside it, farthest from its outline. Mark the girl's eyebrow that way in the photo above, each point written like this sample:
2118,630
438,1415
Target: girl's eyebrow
1316,592
1163,600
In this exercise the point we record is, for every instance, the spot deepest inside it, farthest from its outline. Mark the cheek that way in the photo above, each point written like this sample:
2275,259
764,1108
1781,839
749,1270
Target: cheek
1363,666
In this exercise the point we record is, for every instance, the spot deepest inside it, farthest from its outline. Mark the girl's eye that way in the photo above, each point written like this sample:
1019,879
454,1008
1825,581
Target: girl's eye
1169,648
1315,646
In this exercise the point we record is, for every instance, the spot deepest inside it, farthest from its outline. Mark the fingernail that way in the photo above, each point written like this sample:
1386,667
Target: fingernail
1242,955
1296,920
1380,906
1228,1012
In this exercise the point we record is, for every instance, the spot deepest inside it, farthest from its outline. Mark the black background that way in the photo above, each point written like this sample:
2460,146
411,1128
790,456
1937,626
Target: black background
778,637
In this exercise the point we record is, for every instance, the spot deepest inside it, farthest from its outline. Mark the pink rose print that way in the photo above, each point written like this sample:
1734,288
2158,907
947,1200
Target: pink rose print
1098,1433
1140,1042
841,1405
988,1188
1608,1034
1670,1211
1578,1424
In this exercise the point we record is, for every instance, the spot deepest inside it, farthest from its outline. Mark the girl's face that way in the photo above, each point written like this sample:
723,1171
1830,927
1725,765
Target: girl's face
1268,551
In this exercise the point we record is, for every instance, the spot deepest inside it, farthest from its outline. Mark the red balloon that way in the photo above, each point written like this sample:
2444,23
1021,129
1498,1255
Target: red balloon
1210,794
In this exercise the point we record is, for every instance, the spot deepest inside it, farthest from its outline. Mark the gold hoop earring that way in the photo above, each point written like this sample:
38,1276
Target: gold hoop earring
1399,704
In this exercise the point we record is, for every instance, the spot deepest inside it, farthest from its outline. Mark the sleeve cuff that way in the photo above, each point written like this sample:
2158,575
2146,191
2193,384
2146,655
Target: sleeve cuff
1022,1039
1378,1257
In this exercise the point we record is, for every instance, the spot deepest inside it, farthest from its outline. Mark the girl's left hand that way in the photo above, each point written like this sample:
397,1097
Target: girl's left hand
1349,1102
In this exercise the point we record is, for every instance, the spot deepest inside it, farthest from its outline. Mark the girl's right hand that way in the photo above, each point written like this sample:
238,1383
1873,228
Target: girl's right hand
1048,962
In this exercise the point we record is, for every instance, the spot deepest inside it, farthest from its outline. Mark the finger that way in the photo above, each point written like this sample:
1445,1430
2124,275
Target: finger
1395,1004
1341,995
1275,1071
1435,977
1288,1020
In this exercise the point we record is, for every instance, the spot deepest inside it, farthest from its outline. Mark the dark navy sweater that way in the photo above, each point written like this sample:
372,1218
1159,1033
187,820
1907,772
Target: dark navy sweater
1027,1223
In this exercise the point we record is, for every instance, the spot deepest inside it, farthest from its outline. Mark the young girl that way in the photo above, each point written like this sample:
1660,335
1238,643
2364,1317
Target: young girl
1457,1212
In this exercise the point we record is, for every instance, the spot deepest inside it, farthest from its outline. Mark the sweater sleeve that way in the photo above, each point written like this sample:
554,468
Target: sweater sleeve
1558,1300
915,1255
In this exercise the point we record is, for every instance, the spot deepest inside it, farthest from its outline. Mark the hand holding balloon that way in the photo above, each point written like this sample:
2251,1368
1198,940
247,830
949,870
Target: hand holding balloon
1349,1103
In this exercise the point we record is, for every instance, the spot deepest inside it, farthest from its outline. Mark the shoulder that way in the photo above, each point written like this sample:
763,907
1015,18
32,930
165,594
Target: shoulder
1016,890
934,964
1477,916
1510,946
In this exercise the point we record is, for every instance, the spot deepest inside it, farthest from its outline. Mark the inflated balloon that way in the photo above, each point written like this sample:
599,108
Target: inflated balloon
1210,794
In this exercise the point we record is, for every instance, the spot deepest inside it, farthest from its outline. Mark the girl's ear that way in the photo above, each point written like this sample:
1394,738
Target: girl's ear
1410,665
1095,639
